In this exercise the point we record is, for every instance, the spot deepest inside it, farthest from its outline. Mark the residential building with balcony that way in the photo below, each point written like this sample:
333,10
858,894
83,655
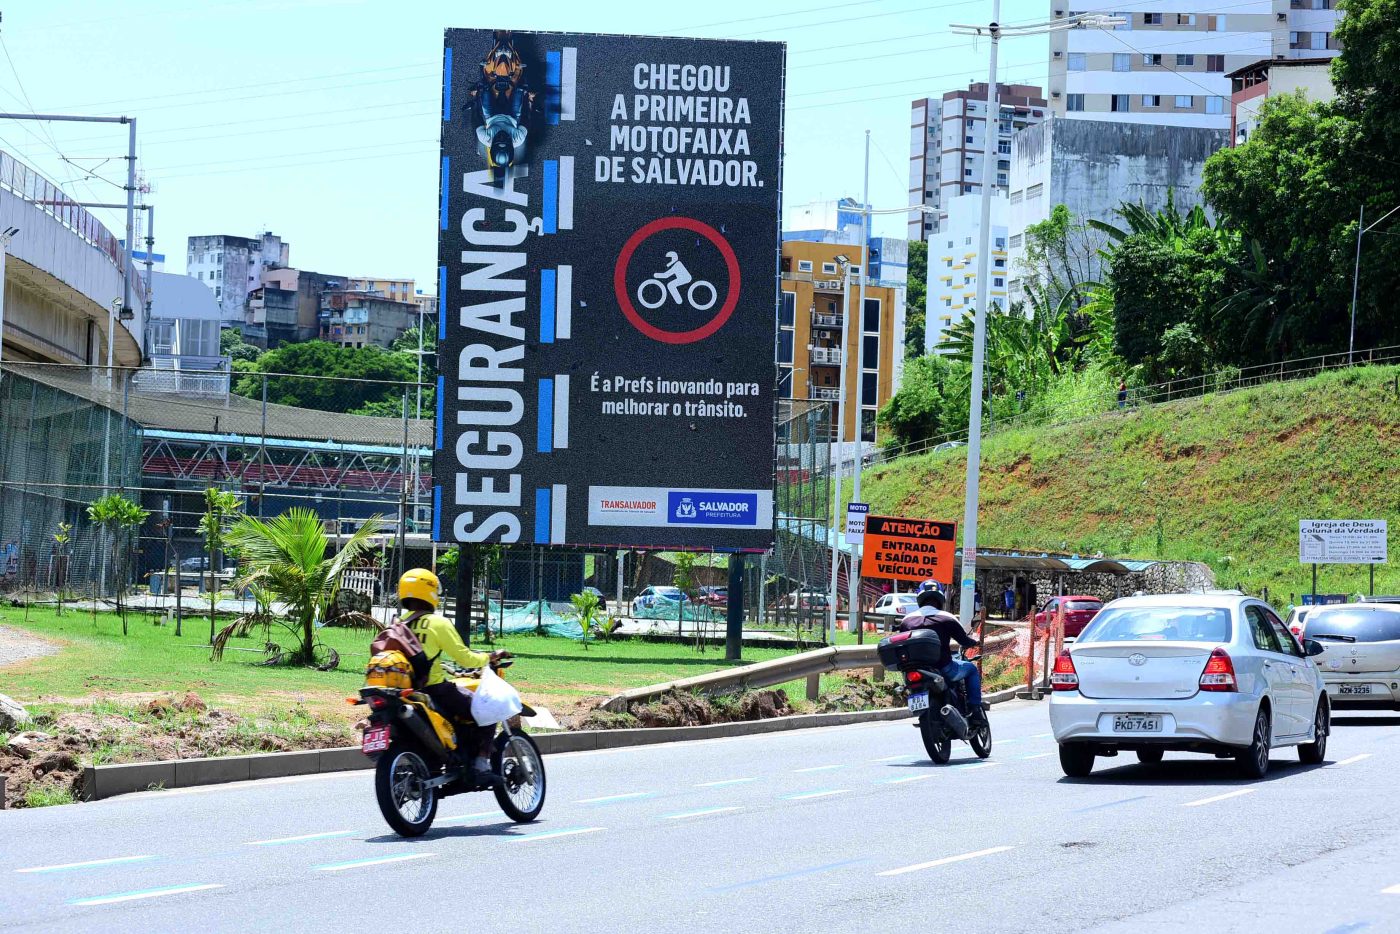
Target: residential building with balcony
232,267
953,257
364,319
1251,85
811,318
398,290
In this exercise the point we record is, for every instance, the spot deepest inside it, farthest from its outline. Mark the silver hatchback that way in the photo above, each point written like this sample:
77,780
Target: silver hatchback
1211,673
1360,661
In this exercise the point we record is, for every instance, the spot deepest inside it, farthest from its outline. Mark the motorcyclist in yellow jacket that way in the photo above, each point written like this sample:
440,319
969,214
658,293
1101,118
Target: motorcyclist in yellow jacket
419,596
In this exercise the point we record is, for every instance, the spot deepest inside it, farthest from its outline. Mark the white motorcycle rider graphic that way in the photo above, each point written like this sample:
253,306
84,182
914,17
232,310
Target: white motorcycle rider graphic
699,294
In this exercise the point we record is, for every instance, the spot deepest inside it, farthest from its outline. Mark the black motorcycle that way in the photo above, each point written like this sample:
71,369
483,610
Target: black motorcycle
941,705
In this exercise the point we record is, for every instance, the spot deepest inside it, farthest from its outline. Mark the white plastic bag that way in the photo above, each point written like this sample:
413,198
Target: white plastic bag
494,701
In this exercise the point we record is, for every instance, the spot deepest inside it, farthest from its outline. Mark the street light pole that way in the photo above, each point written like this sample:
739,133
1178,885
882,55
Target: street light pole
853,578
836,459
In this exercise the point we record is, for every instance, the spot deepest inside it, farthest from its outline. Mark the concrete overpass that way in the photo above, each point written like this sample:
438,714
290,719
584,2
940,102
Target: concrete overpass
62,273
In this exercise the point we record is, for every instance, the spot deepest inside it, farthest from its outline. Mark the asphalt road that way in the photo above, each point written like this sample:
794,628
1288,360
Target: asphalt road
845,829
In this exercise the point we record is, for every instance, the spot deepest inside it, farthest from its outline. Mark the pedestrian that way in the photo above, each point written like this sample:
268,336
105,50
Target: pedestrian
1122,393
1008,600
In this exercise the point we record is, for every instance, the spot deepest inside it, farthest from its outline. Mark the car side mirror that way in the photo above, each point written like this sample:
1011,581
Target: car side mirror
1312,647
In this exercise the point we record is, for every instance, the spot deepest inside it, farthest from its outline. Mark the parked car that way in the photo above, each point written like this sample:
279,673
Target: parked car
653,597
896,605
949,445
715,597
1079,610
1360,662
1296,617
804,600
201,563
1210,673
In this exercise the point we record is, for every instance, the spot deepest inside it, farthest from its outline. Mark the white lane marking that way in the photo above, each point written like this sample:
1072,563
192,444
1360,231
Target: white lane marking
554,833
991,851
608,799
309,836
901,781
1039,755
1391,890
461,817
144,893
818,768
700,813
806,796
1212,800
969,766
893,758
1042,735
725,781
1364,755
373,861
64,867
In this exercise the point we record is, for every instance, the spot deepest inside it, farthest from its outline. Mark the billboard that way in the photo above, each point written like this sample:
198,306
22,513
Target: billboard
908,549
1342,541
608,290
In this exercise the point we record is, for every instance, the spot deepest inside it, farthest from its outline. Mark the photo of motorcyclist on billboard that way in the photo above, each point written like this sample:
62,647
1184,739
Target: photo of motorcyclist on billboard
503,104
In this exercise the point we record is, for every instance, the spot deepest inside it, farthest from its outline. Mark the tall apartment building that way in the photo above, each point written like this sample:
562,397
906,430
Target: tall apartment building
1169,64
232,267
948,142
810,322
953,262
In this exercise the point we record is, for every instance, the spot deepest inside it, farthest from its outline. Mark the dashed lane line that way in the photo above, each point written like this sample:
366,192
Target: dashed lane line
818,768
809,795
142,893
303,838
976,854
1214,798
1352,761
724,782
614,799
88,864
372,861
551,834
703,812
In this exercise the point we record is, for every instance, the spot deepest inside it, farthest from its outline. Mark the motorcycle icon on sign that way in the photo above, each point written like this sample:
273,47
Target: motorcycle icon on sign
698,293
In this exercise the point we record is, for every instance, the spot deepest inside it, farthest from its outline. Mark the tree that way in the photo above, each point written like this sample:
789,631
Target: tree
232,345
220,508
117,515
361,375
586,609
285,562
61,540
932,401
916,300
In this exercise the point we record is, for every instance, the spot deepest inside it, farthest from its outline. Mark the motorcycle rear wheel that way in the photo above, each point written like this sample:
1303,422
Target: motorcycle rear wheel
399,776
979,737
517,760
936,739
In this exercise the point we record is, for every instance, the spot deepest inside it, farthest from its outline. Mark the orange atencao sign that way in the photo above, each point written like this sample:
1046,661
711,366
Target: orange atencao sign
908,549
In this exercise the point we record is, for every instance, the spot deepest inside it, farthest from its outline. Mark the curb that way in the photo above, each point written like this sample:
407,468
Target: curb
106,781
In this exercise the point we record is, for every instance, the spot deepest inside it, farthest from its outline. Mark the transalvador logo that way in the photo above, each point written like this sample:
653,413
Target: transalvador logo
712,507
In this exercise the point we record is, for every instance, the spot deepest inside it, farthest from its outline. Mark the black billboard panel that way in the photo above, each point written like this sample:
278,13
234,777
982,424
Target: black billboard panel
608,285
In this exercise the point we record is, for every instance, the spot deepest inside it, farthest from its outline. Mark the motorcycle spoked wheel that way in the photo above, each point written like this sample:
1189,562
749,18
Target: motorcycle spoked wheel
517,759
399,779
936,739
980,738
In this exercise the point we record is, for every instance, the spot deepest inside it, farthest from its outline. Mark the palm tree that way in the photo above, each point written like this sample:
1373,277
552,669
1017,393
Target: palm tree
285,563
117,515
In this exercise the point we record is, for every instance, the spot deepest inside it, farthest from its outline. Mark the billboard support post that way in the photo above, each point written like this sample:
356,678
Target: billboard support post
1314,593
466,574
734,632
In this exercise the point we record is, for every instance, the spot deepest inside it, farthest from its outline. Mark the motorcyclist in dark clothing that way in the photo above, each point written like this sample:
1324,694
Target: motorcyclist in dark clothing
931,615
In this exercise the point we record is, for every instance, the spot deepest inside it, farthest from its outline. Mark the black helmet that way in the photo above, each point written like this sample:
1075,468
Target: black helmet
502,150
933,598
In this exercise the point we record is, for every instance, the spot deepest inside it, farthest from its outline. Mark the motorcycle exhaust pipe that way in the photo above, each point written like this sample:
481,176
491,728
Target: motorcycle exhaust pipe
423,732
955,720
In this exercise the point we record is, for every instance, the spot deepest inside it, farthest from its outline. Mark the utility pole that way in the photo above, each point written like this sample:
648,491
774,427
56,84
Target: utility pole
836,459
853,578
1361,228
6,236
994,30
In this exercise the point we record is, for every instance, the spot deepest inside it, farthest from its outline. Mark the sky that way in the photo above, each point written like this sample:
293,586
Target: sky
319,119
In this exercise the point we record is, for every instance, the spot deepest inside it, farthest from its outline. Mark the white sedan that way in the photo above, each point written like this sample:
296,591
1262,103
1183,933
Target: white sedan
1212,673
897,605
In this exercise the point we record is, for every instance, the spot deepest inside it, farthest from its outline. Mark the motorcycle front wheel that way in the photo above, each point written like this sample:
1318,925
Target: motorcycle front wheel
936,739
400,784
517,760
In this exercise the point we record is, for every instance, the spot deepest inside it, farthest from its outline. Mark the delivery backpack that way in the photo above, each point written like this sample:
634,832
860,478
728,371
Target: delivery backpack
398,637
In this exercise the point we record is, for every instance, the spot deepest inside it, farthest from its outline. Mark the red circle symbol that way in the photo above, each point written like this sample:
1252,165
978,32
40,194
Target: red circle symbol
624,300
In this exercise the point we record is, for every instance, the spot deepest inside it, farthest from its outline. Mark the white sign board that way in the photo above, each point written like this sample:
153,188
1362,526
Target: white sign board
855,523
1342,541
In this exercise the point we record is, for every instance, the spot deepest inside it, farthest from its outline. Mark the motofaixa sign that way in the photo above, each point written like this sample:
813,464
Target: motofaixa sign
908,549
608,290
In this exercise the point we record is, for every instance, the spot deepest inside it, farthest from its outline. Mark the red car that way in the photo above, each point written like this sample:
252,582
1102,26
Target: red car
1078,611
716,597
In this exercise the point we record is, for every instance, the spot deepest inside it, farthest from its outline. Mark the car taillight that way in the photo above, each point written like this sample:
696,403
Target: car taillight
1219,674
1064,677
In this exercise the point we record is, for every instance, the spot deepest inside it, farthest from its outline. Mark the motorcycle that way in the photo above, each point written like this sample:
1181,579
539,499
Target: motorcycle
417,757
941,705
503,105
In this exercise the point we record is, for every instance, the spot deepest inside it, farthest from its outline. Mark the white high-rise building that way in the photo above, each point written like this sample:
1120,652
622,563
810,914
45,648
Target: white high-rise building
231,267
1168,63
952,265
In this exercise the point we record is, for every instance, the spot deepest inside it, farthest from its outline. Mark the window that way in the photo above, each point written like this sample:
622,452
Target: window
787,311
1260,630
1119,104
967,172
967,189
1185,60
1127,24
869,388
1152,59
1004,147
785,347
1152,19
1355,623
1000,243
998,282
1074,103
870,347
1287,644
967,241
1015,241
785,383
870,321
1186,19
1185,102
969,139
1215,105
950,261
999,263
1034,192
1152,100
1001,179
950,244
1215,63
1155,624
829,268
947,303
1294,41
1016,198
1319,40
1122,61
1215,22
804,265
1077,62
218,292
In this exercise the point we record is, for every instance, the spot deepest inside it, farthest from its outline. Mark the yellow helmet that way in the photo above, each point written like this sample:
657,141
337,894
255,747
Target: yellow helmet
420,584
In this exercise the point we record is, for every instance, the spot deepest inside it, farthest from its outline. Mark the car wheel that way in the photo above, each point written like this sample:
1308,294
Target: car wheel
1150,756
1253,760
1076,759
1315,752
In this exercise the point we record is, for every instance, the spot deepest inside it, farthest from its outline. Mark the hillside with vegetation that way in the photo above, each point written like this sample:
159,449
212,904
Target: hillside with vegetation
1220,478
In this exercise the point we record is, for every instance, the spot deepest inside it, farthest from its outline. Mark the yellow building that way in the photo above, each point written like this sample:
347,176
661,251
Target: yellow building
396,290
810,326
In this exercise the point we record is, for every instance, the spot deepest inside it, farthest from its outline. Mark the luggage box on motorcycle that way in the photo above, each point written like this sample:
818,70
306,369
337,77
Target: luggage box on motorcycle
917,649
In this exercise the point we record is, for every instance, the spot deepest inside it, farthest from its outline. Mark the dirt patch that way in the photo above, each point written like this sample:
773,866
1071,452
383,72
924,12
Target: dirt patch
681,708
17,645
860,693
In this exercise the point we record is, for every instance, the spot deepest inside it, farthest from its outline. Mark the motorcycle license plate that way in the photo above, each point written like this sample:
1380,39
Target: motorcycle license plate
1136,724
918,702
376,739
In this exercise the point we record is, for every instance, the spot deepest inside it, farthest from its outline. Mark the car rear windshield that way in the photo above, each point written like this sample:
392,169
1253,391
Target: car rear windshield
1159,624
1354,624
1084,605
